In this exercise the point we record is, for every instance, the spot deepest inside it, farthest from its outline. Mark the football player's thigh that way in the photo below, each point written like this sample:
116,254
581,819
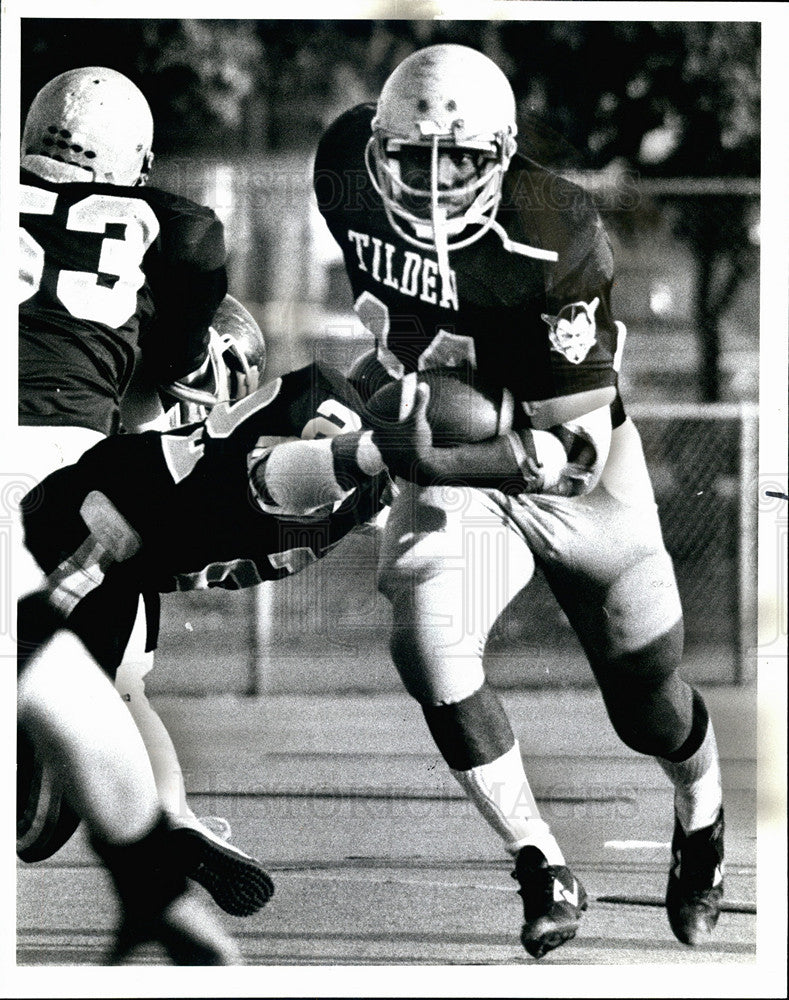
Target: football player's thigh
451,560
604,556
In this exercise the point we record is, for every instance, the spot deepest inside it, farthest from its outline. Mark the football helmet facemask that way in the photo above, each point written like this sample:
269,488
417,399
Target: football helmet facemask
442,99
94,119
235,364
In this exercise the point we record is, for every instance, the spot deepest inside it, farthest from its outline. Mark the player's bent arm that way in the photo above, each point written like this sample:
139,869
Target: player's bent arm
303,477
188,281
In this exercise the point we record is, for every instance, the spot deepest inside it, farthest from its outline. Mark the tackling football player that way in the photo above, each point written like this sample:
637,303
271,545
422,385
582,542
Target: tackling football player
110,270
462,253
257,491
103,769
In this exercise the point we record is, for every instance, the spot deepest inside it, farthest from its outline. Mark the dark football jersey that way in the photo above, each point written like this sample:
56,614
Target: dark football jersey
541,327
105,270
186,493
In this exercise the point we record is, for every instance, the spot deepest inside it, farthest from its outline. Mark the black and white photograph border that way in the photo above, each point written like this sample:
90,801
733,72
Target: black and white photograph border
312,726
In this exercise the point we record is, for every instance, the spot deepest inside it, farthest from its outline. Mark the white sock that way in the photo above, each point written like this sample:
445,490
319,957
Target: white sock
501,792
697,784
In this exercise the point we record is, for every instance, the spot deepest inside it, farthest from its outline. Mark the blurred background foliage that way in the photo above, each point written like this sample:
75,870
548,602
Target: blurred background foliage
633,100
660,120
678,98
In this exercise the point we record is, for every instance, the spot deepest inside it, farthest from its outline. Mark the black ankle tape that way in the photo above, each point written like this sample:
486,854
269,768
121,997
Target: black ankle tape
470,732
698,731
147,873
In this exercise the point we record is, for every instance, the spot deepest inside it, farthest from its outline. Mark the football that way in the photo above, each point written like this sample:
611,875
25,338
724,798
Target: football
461,409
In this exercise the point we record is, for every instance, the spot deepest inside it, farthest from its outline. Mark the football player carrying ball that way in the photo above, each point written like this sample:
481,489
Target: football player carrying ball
460,251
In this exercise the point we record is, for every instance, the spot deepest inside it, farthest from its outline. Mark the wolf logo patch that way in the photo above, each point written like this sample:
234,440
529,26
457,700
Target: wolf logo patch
573,332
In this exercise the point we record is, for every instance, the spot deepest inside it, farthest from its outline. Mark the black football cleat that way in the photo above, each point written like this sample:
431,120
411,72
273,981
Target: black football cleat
695,882
553,902
237,882
158,906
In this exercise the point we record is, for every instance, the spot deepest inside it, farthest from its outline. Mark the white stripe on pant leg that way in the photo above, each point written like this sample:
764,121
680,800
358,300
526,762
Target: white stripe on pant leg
500,791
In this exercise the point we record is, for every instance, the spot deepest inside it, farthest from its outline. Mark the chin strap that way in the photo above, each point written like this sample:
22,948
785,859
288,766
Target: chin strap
522,248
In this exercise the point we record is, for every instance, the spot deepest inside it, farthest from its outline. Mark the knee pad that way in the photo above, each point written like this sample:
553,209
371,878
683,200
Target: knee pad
470,732
650,706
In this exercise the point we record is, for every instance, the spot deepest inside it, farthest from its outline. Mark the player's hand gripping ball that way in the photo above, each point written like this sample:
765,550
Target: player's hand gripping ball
461,410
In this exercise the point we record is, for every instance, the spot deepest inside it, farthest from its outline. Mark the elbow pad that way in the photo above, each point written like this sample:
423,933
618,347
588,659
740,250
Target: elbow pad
297,478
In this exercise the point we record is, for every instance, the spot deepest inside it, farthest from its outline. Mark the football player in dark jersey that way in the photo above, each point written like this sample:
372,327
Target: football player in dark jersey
257,491
461,252
236,359
109,270
102,767
107,265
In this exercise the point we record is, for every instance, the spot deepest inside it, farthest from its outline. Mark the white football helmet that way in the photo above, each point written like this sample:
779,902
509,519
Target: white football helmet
236,359
443,98
93,118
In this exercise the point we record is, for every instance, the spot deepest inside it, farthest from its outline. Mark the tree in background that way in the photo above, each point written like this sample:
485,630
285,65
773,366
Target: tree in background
667,100
661,100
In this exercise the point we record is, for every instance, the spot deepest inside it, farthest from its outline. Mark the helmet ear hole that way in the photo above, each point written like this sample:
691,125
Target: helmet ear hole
96,118
147,166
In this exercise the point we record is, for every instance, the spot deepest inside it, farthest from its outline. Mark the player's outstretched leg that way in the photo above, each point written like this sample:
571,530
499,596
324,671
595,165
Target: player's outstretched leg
441,667
236,881
136,664
695,884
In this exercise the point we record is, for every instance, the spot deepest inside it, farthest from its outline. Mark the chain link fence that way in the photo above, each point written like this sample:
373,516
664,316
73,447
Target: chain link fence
327,628
703,462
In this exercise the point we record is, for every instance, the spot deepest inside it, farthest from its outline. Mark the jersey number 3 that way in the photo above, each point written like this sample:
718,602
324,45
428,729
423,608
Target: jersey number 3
107,295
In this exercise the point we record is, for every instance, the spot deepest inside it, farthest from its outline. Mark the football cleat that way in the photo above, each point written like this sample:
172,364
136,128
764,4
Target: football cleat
553,902
237,882
695,882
